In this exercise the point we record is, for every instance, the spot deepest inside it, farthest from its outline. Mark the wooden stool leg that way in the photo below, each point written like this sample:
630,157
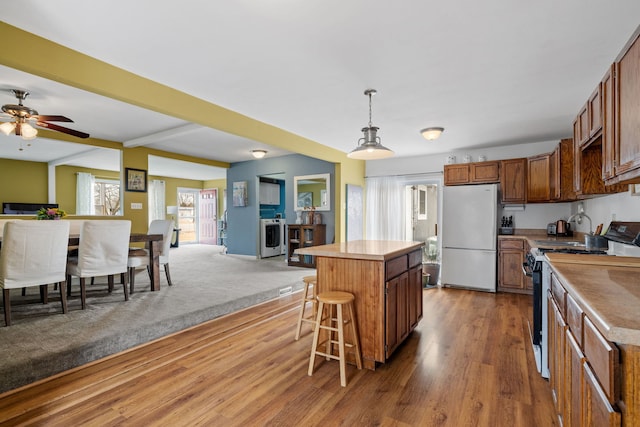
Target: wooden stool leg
314,343
330,334
341,355
356,338
302,308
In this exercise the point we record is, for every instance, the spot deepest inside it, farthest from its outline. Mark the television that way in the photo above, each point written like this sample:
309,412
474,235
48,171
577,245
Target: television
25,208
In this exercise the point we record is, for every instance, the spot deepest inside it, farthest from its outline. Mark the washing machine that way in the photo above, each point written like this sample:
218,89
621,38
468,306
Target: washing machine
270,237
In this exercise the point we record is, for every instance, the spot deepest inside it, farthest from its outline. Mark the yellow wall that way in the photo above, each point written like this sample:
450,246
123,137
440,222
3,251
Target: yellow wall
24,182
220,185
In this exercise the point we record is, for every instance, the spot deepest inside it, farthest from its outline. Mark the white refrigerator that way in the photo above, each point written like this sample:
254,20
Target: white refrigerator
469,238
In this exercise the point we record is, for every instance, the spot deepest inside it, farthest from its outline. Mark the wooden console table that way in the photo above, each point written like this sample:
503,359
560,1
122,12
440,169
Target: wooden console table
386,279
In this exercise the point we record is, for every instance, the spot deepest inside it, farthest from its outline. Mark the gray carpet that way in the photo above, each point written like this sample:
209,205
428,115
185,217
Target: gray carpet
206,284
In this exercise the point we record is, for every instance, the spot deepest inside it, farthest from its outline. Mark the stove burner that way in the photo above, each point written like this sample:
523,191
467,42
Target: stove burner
570,251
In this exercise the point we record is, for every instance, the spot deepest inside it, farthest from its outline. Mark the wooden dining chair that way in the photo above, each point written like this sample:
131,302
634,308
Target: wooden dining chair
140,257
34,253
103,251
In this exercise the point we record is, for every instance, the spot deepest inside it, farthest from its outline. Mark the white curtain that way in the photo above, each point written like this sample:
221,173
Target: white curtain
385,212
156,200
85,184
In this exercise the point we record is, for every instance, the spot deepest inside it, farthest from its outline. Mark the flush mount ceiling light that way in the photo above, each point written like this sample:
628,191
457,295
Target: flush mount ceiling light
258,154
370,147
431,133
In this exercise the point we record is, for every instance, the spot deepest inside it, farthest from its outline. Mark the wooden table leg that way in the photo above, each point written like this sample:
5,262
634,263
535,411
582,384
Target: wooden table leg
154,264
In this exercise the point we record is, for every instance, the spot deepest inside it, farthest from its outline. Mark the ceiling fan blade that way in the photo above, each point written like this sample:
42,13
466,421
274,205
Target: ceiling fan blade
43,118
63,129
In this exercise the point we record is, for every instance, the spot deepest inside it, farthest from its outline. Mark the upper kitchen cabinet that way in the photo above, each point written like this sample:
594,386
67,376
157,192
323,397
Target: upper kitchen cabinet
627,112
539,178
608,125
513,181
550,176
562,172
472,173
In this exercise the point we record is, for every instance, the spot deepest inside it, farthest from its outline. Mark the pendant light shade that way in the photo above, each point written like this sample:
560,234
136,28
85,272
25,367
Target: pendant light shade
370,147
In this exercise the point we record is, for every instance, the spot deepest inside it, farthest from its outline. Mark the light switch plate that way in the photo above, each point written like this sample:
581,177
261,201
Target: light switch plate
136,205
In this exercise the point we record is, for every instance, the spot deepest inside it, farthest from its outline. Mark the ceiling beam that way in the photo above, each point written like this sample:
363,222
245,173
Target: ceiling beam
160,136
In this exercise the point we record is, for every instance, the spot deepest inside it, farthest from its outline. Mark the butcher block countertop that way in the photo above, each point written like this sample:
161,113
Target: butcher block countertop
374,250
608,290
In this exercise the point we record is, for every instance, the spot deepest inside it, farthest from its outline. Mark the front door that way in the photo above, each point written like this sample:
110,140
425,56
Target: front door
208,217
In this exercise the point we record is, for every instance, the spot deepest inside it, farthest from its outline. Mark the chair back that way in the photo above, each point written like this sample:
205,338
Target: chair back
164,227
33,253
104,247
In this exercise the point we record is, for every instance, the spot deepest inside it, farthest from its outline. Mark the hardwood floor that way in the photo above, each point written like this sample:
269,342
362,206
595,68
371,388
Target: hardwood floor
469,362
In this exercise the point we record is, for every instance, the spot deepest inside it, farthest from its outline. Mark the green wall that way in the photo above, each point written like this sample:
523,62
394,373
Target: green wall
24,182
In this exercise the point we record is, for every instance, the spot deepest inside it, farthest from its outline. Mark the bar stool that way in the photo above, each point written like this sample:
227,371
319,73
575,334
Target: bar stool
335,300
309,295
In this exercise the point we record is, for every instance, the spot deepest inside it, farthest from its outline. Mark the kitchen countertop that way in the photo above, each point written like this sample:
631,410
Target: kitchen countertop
607,288
533,235
375,250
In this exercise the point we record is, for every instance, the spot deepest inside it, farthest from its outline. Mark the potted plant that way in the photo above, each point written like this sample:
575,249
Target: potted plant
430,262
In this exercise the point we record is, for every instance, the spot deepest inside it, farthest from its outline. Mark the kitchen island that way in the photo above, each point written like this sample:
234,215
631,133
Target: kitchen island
386,279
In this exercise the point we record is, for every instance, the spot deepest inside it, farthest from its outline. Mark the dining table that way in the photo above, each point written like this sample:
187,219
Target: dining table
154,245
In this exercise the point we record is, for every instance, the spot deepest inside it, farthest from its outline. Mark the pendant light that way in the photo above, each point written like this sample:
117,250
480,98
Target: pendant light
370,147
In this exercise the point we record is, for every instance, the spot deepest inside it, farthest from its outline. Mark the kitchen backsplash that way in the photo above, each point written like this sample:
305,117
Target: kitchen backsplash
622,206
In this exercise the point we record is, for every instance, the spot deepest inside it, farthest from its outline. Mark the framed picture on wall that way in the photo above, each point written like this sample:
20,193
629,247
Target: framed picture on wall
136,180
240,194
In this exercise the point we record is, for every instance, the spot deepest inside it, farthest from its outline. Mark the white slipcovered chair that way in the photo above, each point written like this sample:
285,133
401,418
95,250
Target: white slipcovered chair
34,253
103,251
140,257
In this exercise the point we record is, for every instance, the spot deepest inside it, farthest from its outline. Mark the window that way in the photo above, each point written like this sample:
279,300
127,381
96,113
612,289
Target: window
106,197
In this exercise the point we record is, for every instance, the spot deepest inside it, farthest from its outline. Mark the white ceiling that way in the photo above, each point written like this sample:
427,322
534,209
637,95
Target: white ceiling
496,72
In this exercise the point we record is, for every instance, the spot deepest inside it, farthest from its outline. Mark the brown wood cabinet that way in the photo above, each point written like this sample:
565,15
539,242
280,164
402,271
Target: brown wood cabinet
562,172
513,181
302,236
404,298
608,126
627,112
511,256
472,173
583,366
539,178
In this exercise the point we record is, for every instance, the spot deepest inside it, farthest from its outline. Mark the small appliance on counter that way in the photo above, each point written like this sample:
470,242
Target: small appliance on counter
563,228
551,229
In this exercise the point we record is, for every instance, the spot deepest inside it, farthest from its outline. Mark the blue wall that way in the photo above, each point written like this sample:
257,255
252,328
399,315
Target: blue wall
242,222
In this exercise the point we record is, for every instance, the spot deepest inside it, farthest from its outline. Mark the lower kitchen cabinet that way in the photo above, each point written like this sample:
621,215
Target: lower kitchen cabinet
585,375
404,300
511,256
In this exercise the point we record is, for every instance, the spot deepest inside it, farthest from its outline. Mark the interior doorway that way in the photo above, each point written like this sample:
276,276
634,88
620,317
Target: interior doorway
421,225
188,214
208,217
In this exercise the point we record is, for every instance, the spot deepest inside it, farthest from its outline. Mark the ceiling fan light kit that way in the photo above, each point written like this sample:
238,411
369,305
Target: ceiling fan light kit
432,133
258,154
370,147
21,115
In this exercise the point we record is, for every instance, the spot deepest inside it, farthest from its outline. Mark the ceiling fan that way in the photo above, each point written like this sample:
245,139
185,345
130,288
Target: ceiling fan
23,117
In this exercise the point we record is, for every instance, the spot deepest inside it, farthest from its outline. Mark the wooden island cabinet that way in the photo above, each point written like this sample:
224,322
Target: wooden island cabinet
386,279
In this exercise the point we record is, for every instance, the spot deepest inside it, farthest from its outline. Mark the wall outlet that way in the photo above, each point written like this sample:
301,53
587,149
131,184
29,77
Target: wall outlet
136,205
